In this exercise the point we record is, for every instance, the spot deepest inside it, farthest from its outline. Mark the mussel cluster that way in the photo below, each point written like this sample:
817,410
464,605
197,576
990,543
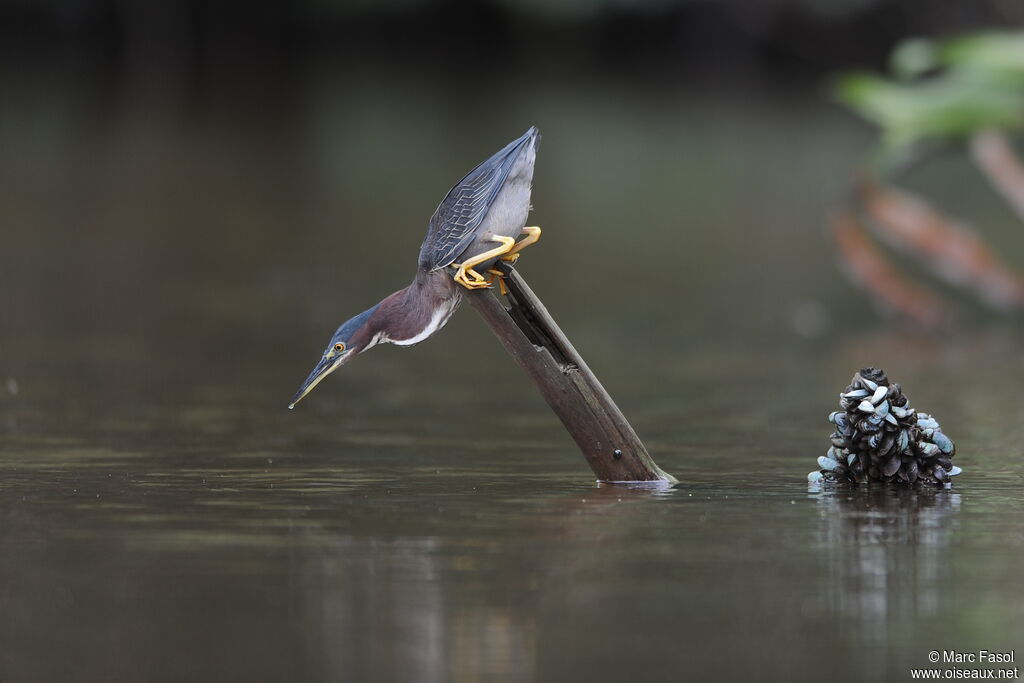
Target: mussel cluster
879,437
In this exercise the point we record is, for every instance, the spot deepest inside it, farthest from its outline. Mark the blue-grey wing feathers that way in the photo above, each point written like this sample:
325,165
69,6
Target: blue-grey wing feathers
453,226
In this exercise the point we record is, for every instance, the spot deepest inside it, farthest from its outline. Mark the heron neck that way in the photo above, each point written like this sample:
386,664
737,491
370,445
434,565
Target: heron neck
414,313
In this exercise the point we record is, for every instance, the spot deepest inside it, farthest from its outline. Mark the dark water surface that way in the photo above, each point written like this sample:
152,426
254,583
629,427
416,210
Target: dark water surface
170,272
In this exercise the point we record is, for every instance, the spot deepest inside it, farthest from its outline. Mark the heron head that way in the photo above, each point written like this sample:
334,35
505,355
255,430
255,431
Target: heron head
346,343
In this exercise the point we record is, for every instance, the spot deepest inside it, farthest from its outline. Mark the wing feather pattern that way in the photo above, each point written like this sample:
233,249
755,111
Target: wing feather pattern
453,226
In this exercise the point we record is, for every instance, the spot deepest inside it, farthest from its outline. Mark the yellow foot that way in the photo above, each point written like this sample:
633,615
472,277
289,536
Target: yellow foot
532,235
469,278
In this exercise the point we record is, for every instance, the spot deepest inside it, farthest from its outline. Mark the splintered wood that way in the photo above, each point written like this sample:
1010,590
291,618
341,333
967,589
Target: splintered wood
531,336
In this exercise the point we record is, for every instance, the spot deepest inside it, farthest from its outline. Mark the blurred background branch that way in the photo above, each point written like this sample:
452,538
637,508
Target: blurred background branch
966,90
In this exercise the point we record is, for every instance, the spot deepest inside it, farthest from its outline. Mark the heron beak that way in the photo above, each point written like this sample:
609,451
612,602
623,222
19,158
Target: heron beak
325,367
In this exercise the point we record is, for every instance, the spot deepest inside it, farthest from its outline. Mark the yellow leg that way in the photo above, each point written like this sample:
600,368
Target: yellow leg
532,235
465,270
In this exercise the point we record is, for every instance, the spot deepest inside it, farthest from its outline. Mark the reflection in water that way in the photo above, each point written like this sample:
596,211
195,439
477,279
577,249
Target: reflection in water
393,612
391,597
429,610
886,552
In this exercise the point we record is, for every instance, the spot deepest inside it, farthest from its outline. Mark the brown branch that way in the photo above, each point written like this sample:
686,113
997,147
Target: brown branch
994,155
950,249
868,268
534,340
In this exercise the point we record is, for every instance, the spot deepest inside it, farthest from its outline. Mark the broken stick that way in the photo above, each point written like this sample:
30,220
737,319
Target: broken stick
529,333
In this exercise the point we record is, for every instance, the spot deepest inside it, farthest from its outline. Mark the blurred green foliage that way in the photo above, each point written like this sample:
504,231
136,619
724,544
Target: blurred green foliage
942,89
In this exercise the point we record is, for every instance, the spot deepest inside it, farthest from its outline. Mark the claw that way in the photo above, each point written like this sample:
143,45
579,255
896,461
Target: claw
465,270
463,275
500,277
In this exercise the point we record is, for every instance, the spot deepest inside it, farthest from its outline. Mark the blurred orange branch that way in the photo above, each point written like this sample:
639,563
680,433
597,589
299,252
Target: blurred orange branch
952,250
994,155
867,267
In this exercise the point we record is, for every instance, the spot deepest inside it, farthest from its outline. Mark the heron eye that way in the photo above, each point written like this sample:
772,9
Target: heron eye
339,347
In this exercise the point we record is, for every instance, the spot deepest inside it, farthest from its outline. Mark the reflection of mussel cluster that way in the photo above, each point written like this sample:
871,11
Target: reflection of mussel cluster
879,437
887,559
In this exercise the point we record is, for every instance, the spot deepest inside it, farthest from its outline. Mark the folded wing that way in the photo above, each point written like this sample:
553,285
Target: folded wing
453,225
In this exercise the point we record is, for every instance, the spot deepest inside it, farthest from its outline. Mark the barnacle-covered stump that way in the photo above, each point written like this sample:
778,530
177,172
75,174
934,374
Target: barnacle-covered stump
879,437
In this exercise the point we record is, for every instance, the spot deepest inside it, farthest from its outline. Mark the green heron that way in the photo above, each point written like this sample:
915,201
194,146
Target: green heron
488,206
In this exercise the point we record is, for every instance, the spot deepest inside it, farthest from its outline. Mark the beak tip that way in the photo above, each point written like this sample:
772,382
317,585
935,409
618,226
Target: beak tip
325,367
